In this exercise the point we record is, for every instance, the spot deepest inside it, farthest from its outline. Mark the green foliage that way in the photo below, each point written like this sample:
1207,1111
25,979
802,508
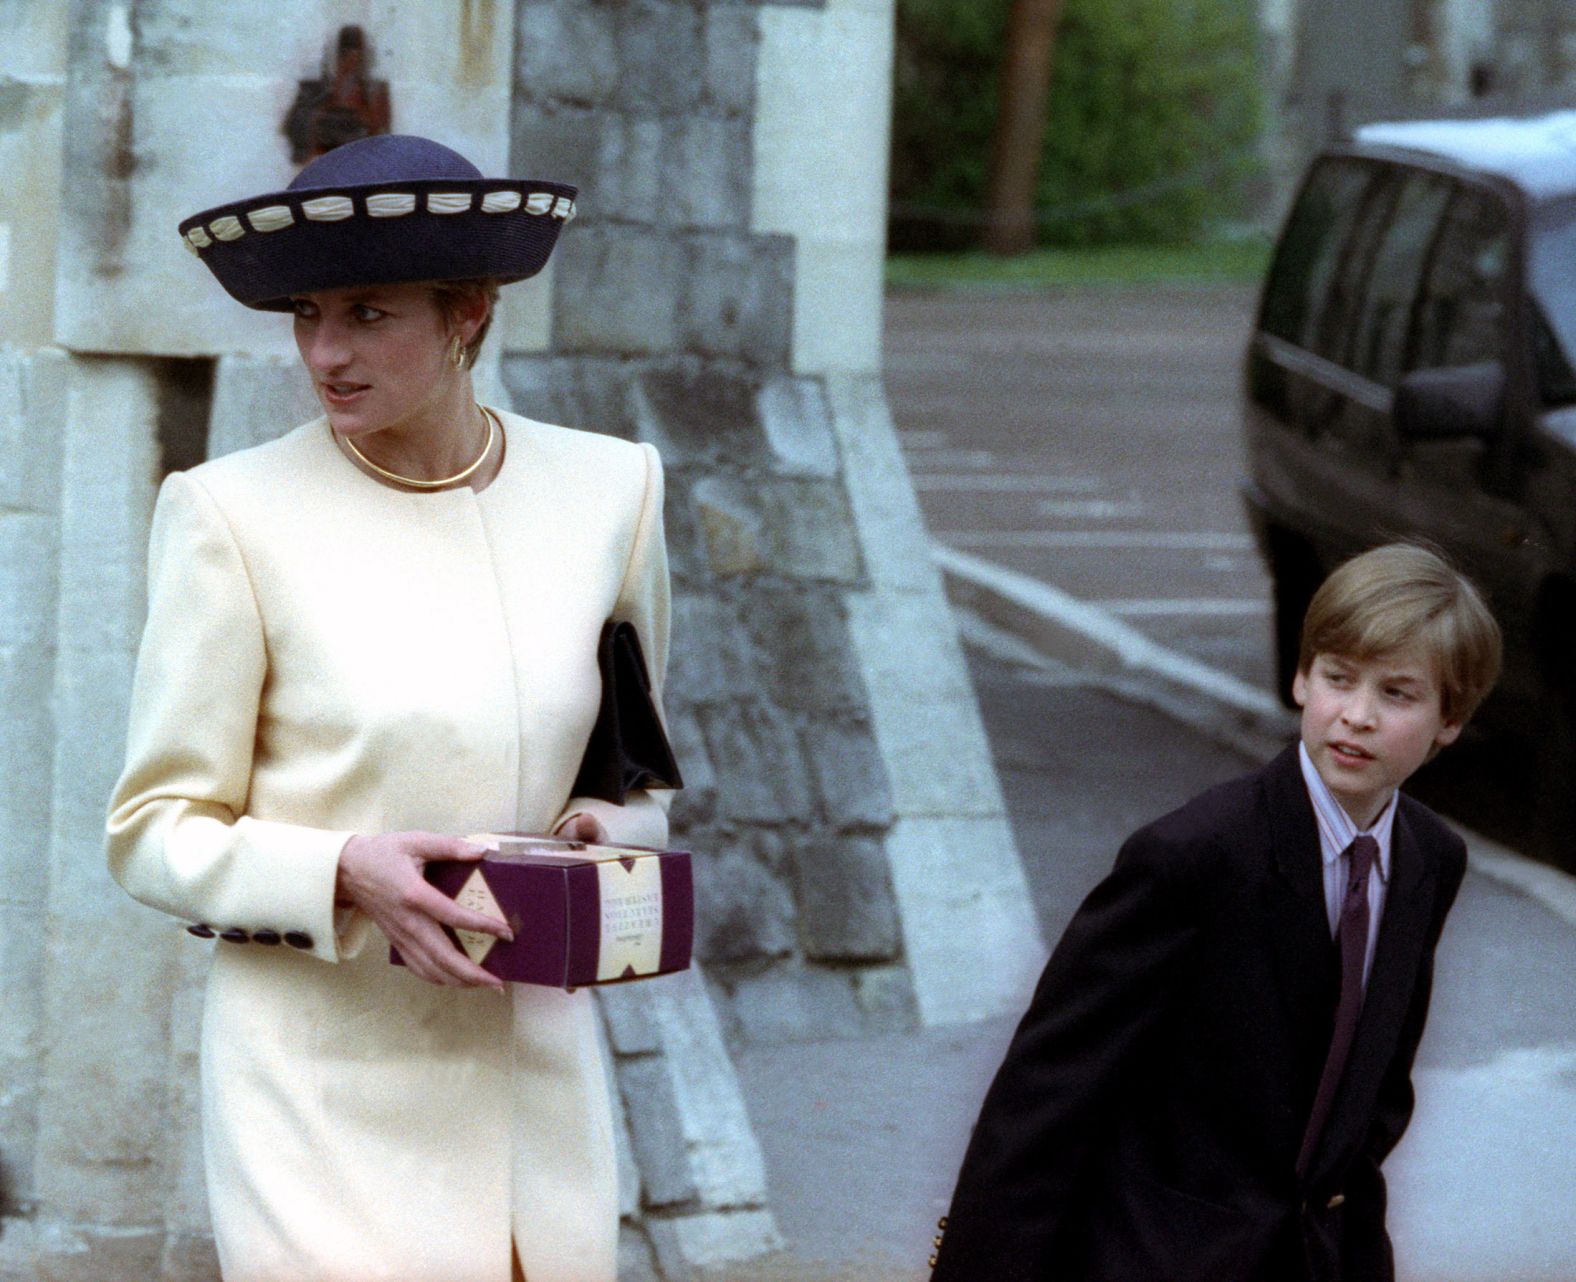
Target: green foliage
1153,115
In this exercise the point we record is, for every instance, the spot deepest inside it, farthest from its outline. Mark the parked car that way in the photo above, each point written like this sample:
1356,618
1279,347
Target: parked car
1411,374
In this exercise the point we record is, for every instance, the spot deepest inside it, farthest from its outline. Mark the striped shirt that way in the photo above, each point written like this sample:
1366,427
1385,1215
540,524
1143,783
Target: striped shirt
1336,831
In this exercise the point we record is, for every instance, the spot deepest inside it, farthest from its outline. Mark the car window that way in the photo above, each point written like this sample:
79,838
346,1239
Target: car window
1336,321
1459,316
1552,271
1391,286
1309,249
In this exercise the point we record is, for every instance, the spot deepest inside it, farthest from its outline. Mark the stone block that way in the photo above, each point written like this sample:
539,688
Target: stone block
18,1250
702,417
922,706
811,530
885,996
256,399
637,1261
806,657
27,748
656,1132
730,526
849,773
718,1139
707,183
739,298
93,1253
31,113
542,388
626,290
565,52
707,1247
891,528
33,409
646,187
626,1015
711,660
20,1044
564,143
797,421
760,768
732,34
699,793
846,909
631,1187
661,54
189,1257
742,912
969,930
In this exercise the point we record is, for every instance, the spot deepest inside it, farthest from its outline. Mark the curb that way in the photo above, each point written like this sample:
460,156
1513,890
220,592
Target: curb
1058,626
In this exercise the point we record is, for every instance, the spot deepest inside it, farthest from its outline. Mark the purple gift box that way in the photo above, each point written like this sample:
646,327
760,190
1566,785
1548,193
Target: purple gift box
581,914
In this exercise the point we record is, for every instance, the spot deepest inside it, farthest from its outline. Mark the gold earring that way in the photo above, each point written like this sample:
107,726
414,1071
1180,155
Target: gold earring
456,352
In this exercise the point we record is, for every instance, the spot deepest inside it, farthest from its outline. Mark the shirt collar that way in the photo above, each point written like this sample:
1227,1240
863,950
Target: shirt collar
1336,828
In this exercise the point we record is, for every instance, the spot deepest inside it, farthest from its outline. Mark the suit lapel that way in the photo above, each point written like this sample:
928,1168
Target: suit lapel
1298,919
1403,933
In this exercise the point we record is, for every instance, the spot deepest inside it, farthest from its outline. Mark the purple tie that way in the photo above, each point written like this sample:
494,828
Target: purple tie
1352,935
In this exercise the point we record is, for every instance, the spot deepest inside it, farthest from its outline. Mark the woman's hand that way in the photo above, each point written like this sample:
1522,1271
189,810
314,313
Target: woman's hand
382,876
582,827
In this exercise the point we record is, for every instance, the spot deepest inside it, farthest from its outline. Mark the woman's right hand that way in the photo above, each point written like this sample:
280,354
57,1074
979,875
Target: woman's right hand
382,876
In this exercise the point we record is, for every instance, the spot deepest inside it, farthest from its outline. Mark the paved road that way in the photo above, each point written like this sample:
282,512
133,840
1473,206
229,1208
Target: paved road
1088,439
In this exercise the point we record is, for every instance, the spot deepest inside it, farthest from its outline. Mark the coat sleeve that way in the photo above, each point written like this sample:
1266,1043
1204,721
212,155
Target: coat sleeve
1365,1242
643,599
1104,987
179,836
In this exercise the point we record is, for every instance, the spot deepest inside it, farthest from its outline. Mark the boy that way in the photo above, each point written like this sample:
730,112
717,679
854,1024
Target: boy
1218,1055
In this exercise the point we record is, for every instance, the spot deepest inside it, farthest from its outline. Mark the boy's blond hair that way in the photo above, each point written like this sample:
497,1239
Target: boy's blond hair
1401,596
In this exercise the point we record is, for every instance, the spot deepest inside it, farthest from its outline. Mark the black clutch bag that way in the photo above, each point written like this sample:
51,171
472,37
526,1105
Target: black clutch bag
627,748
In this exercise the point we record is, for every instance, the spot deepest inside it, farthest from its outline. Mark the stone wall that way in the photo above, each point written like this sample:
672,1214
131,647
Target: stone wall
839,781
719,296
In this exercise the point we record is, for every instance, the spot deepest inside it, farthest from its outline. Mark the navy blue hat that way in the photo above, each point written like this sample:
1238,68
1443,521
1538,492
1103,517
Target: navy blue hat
379,211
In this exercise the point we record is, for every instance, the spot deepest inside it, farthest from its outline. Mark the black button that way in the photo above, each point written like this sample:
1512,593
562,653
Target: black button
298,939
265,936
202,930
235,935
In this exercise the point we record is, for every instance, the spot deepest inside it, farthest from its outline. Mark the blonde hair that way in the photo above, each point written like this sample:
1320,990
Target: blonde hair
1401,596
451,296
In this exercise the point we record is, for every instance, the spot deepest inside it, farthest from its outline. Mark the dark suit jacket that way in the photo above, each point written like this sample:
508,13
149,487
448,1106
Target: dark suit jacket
1145,1123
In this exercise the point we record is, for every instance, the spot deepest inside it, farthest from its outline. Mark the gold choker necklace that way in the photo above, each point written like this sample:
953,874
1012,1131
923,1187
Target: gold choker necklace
492,425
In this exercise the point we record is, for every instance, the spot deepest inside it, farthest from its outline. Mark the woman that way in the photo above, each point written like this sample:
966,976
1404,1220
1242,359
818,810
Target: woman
365,638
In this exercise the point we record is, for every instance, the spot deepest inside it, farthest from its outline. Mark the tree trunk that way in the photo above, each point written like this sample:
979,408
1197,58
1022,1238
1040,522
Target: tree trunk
1020,125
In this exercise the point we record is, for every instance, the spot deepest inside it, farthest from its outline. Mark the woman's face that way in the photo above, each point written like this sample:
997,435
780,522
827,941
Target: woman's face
377,354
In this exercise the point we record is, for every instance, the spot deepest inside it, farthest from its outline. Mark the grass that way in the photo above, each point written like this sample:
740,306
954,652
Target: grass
1237,261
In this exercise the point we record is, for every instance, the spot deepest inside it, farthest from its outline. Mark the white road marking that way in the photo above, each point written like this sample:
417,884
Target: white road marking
923,438
1006,483
1088,509
947,460
1169,540
1154,607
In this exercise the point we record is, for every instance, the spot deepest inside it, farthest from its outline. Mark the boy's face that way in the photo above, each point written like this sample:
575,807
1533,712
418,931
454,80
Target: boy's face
1369,723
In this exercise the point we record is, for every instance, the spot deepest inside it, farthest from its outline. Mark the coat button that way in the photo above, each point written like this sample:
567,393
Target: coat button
942,1224
1335,1201
202,930
932,1261
298,939
937,1240
265,936
235,935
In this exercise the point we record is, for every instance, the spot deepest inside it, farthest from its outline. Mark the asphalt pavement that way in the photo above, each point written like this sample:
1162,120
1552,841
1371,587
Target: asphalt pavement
862,1138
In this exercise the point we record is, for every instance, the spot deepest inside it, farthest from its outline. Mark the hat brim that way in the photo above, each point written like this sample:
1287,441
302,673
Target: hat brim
270,248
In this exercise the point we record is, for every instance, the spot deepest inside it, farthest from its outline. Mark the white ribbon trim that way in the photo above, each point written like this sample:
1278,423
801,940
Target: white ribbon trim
500,202
227,228
328,209
271,218
448,202
391,204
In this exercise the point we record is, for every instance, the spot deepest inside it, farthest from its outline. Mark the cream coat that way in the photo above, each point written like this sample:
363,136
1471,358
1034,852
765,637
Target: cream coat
325,655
